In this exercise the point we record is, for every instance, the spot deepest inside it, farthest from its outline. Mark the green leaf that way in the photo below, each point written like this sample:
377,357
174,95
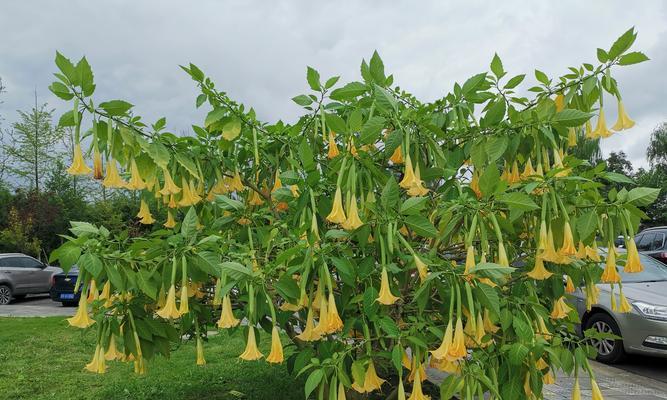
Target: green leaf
313,381
519,201
227,203
515,81
371,130
306,155
214,116
497,66
489,297
495,113
602,55
413,205
488,182
517,354
633,58
421,226
187,163
91,263
231,129
377,69
643,196
390,193
85,74
522,328
189,224
389,326
345,269
616,177
235,270
622,44
394,140
60,90
159,153
541,77
450,386
67,68
495,146
302,100
116,108
335,123
313,78
586,224
349,91
384,101
288,288
571,117
67,255
474,82
331,82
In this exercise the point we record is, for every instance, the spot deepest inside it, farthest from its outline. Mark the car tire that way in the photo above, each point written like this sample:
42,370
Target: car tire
609,351
69,303
5,295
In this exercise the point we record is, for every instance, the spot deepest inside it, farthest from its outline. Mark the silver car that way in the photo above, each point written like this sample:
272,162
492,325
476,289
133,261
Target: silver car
644,329
21,275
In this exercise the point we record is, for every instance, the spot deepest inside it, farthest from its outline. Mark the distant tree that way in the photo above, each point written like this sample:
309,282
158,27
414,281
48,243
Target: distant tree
618,162
655,177
30,144
3,154
657,147
16,236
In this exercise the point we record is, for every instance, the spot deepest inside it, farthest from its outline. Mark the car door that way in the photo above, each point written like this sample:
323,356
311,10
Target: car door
13,269
33,270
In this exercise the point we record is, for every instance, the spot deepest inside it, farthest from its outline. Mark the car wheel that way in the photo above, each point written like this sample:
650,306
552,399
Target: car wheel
5,294
609,351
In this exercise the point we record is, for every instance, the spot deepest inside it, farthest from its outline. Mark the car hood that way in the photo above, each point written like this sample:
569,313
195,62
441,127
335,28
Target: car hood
648,292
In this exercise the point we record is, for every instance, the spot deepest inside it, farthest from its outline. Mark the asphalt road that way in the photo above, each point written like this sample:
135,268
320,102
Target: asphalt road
43,306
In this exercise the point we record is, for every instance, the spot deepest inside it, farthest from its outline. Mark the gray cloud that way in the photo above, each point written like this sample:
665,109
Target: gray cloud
258,51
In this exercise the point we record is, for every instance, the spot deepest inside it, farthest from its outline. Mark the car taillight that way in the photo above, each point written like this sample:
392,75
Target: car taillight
662,256
52,280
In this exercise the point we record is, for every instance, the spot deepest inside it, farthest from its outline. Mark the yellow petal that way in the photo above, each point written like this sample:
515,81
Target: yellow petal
337,214
276,355
79,166
385,296
251,352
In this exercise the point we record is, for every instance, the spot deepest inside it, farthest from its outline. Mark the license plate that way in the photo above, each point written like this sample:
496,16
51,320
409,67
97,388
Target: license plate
66,296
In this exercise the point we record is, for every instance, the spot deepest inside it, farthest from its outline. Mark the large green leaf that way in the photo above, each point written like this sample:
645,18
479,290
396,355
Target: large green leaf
421,226
519,201
643,196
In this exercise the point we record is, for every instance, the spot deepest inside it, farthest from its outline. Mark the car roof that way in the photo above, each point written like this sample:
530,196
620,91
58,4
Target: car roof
654,228
4,255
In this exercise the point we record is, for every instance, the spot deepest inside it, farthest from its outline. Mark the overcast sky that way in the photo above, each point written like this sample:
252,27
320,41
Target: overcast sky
258,50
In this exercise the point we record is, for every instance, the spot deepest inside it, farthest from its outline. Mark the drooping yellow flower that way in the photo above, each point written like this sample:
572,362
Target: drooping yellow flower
470,259
136,182
571,137
227,319
549,253
502,255
632,264
417,393
593,252
569,286
451,367
480,333
189,196
561,309
113,179
98,169
251,352
401,390
200,352
489,326
560,102
422,268
539,272
112,352
169,185
442,351
333,147
276,355
576,389
417,188
323,319
610,274
528,170
335,322
236,184
98,363
170,311
526,387
409,174
171,222
589,130
397,156
81,318
474,184
625,304
385,296
515,176
457,350
581,251
548,378
337,214
542,329
184,307
371,380
595,389
145,214
277,183
601,130
341,392
93,293
568,247
79,166
309,334
623,121
353,221
543,241
106,294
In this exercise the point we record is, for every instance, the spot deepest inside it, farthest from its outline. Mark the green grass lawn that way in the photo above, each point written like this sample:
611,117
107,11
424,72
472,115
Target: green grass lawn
43,358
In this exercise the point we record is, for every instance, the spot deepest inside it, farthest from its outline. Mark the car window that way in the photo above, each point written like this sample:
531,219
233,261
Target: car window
28,262
654,270
645,243
658,241
10,262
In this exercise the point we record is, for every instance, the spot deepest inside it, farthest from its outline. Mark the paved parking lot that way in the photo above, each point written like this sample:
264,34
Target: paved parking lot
36,306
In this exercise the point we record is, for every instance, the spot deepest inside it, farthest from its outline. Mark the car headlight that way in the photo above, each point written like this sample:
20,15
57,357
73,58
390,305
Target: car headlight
651,311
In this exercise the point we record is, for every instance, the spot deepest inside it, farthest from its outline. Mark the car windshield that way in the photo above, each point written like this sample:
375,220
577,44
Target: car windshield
654,271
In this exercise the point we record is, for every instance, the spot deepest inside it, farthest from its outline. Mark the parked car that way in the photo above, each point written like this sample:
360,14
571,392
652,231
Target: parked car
62,287
644,329
21,275
651,241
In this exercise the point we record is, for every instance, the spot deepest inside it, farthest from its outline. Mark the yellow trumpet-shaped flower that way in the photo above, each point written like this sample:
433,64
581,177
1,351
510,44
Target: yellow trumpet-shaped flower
422,268
276,355
561,309
227,319
548,378
581,251
93,293
189,196
480,332
474,184
277,183
371,380
337,214
255,199
489,326
78,166
417,372
470,260
171,222
542,329
442,351
353,221
543,241
601,130
632,264
569,285
515,176
200,352
323,320
236,184
397,156
335,323
571,137
81,318
549,253
385,296
341,392
614,307
409,174
623,121
539,272
98,363
106,294
145,214
184,307
528,170
169,185
113,179
625,304
333,147
593,252
595,391
589,130
309,334
98,169
526,387
136,182
170,311
417,188
502,255
457,350
417,393
560,102
610,274
568,247
251,352
112,352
